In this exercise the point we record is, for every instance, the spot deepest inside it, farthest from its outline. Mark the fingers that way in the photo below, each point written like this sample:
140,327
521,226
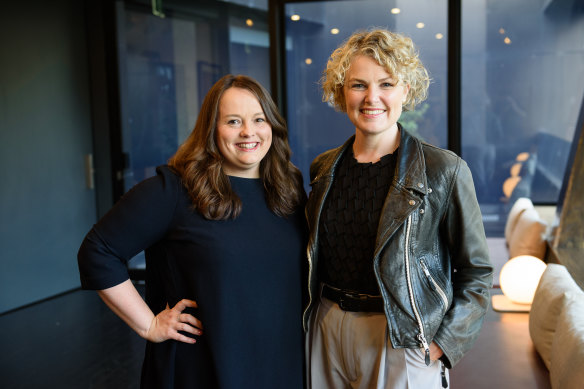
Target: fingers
193,321
185,328
435,351
182,338
169,324
184,303
188,318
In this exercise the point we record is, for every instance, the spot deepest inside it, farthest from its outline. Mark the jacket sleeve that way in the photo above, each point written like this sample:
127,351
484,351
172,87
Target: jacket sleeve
137,221
472,275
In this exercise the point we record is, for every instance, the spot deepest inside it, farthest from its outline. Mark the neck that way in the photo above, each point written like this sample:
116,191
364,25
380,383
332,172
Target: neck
370,148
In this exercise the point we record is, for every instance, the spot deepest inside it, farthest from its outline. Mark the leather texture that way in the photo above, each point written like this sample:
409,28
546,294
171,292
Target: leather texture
431,259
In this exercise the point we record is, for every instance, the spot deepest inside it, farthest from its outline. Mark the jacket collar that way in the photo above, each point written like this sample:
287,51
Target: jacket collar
411,165
410,171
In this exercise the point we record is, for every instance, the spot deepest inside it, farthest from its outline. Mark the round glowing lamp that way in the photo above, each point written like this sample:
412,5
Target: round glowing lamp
519,278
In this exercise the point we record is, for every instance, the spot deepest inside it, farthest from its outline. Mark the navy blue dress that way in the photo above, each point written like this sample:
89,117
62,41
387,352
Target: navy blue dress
246,276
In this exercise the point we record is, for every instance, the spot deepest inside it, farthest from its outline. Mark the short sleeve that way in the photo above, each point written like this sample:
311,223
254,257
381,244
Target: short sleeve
138,220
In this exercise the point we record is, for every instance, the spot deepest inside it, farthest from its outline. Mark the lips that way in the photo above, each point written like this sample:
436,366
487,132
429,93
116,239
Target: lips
372,111
247,146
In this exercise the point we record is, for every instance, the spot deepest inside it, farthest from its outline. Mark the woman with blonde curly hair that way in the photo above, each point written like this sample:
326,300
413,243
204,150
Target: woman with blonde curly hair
223,230
399,270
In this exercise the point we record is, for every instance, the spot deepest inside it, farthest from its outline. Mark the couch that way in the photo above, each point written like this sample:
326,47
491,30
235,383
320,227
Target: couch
556,327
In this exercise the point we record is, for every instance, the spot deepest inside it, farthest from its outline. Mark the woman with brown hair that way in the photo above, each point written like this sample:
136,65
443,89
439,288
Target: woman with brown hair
223,232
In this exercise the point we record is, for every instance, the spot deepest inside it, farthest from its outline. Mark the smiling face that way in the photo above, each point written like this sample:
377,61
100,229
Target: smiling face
373,97
243,134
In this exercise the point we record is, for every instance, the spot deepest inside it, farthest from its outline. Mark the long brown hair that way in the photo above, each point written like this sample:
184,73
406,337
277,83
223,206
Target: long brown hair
198,160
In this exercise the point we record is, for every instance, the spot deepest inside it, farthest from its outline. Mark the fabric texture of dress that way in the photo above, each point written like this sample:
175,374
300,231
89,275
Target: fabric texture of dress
246,275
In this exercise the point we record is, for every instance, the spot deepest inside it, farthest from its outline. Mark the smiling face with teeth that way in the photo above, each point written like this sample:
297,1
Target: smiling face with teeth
373,98
243,134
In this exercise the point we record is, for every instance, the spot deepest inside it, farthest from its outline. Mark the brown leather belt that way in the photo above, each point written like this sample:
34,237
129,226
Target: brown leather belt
353,302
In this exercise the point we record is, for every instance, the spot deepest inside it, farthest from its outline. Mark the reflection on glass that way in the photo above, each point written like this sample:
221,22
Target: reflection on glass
316,127
522,86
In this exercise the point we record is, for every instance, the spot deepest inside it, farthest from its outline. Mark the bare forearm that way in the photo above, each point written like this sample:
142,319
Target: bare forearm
125,301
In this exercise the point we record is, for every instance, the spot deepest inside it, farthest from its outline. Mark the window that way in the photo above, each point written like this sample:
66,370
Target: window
522,87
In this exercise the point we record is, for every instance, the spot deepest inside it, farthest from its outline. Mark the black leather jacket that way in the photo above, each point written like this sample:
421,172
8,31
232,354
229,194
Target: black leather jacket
431,259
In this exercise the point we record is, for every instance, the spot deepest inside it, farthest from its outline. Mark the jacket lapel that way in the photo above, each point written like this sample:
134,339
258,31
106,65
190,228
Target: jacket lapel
407,189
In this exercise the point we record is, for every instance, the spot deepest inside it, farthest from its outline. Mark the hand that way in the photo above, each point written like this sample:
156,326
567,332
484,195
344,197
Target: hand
435,351
167,324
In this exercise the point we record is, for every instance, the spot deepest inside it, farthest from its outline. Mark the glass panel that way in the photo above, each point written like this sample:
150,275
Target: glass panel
168,64
320,27
522,86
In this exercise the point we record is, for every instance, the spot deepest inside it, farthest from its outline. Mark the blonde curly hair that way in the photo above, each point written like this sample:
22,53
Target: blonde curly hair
395,52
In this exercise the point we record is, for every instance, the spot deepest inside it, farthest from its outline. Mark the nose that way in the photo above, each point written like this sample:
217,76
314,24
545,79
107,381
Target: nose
246,130
372,95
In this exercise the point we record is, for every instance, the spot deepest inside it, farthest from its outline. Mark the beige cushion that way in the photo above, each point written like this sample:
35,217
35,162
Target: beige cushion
527,237
518,207
567,353
554,286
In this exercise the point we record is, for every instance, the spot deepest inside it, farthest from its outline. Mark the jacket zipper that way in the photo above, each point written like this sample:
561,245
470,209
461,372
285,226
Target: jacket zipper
421,336
436,286
309,258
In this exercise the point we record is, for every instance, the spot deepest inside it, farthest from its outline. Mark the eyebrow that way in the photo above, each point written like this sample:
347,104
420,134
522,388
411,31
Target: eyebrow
380,80
261,113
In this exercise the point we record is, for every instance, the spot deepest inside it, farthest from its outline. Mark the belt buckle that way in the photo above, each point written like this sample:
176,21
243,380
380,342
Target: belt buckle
349,303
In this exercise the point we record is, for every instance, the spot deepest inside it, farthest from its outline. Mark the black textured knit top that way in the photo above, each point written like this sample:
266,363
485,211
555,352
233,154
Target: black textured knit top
349,222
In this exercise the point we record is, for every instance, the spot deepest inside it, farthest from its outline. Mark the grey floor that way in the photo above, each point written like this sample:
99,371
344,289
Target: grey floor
71,341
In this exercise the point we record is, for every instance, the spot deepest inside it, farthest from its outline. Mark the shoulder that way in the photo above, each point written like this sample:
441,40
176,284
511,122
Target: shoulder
440,160
323,162
434,153
162,188
167,175
448,171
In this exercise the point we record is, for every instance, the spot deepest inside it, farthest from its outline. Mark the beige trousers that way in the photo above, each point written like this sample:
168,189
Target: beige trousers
352,350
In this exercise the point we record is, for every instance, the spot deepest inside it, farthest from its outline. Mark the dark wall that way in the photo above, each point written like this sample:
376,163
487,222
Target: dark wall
45,134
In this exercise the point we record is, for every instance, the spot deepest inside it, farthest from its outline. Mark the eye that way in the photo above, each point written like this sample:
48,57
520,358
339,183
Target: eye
233,122
260,120
387,85
358,86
